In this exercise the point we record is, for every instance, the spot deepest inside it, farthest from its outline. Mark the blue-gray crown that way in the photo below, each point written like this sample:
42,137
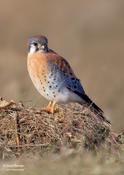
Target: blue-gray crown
38,39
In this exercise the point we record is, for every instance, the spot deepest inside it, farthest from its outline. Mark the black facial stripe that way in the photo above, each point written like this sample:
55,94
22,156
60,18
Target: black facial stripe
36,49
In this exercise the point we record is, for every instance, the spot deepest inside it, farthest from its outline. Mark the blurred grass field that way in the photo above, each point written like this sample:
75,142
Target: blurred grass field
69,163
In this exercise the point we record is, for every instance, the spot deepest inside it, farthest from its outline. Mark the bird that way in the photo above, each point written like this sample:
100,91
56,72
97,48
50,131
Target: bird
54,78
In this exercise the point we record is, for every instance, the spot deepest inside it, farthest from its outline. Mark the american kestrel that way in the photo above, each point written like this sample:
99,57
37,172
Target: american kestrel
53,77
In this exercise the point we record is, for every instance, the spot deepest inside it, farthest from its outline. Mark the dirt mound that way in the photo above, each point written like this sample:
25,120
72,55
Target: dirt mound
72,126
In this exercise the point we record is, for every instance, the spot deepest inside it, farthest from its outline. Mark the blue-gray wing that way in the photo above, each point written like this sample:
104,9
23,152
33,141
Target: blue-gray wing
75,86
65,76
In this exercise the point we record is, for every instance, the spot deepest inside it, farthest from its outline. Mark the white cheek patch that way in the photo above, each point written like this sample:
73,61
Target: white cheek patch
32,49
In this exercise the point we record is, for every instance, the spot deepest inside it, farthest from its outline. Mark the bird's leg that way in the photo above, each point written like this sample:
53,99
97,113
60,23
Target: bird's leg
48,106
52,107
47,109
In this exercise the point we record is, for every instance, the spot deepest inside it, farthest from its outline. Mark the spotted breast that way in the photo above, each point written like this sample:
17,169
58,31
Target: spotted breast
51,76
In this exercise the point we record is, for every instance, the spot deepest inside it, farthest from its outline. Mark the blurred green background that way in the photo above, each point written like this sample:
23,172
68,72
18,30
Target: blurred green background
89,33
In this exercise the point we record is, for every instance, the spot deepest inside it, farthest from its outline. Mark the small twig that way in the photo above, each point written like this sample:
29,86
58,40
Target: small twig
17,125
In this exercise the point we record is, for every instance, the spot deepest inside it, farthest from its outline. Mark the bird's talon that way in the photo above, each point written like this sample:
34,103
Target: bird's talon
48,110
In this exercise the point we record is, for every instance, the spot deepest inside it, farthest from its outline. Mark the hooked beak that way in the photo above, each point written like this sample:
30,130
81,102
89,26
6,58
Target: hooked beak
41,46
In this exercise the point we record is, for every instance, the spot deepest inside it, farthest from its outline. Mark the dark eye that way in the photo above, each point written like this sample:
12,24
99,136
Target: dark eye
34,43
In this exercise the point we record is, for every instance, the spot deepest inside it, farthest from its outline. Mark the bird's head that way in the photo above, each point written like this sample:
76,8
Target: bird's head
38,43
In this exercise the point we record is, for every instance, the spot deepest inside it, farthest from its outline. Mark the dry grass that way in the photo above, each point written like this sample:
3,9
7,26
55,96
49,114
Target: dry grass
72,126
72,141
